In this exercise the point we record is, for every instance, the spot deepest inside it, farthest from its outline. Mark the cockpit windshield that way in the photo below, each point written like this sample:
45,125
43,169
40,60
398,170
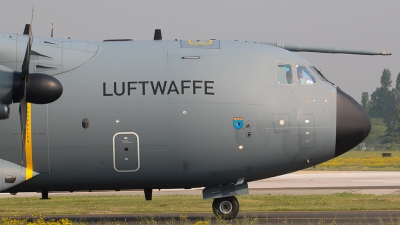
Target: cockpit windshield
319,74
284,75
304,76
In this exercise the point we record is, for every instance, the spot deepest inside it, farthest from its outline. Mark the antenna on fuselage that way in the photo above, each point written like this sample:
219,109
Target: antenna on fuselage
157,35
52,28
26,30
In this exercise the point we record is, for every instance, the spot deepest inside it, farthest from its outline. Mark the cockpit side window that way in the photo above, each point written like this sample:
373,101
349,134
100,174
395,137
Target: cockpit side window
304,76
284,74
318,72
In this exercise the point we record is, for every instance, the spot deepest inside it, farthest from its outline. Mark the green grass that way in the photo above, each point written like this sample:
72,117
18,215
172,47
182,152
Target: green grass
188,203
362,161
24,207
183,220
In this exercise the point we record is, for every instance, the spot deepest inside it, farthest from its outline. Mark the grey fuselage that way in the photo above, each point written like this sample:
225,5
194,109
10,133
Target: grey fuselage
160,114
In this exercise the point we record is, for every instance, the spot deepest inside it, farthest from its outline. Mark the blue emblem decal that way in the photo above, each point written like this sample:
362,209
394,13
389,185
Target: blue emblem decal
238,122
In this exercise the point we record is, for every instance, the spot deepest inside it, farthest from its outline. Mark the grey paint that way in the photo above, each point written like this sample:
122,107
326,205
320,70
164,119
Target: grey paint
186,140
11,174
225,191
6,78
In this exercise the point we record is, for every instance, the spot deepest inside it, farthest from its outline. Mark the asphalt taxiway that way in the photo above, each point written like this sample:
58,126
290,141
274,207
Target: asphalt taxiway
347,217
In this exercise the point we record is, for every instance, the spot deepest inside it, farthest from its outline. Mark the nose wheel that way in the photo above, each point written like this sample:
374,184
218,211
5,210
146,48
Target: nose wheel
226,208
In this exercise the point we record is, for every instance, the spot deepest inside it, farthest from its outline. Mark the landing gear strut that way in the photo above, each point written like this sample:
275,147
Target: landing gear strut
226,208
45,195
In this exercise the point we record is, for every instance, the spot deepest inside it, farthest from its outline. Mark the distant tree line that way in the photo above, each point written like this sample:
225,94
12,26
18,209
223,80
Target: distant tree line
384,111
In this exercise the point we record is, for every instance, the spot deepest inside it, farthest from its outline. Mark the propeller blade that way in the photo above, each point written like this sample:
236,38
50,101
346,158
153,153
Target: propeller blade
24,76
22,117
25,65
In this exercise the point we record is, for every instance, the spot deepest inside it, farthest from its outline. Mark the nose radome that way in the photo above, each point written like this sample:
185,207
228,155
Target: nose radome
352,123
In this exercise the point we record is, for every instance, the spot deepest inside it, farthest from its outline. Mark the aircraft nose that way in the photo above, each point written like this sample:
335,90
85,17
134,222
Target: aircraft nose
352,123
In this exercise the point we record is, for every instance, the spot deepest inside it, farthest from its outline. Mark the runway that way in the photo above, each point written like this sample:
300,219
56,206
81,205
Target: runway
329,182
351,217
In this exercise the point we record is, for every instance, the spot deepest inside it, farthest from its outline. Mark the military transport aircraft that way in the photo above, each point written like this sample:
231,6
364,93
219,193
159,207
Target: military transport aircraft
161,114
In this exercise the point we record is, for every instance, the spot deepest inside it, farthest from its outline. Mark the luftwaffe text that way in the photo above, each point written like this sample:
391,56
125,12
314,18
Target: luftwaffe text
159,88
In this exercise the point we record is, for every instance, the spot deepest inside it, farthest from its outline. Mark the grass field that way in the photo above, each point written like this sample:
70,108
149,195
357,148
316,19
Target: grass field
363,161
189,203
11,208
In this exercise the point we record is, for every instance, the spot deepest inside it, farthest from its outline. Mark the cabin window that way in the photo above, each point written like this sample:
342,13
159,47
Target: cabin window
284,74
304,76
85,123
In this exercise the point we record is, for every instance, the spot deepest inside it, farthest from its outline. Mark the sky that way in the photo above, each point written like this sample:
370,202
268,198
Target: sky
356,24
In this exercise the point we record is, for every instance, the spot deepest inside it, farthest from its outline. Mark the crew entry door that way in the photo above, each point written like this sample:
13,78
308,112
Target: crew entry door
126,155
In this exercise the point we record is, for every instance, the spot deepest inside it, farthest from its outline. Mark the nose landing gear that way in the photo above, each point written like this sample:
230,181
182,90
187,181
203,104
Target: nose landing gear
226,208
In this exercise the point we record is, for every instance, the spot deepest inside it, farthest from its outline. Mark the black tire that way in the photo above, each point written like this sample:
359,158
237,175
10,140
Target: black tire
226,208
